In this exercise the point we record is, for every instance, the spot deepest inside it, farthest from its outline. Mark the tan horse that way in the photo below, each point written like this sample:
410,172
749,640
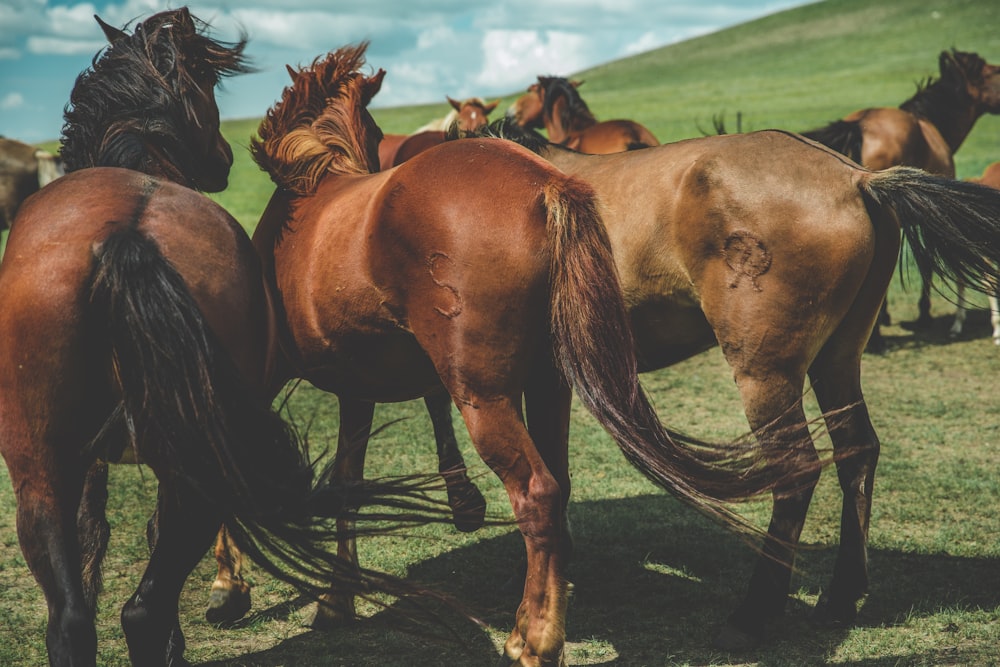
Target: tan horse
925,132
780,251
555,104
395,283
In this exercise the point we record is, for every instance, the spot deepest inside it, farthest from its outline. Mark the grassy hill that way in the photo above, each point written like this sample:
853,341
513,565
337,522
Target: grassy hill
794,70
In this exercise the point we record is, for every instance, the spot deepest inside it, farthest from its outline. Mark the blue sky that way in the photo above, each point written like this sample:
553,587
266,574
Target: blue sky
429,48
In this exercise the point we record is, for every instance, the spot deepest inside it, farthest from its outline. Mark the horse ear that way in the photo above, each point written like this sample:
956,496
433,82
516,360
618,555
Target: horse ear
576,83
113,34
291,71
454,103
372,85
491,106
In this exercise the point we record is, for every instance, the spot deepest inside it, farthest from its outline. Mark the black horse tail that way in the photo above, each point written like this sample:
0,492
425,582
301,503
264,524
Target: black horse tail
594,349
843,136
951,227
191,416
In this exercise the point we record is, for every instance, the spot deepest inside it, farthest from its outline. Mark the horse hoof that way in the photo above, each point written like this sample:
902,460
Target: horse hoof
332,616
227,605
834,615
468,507
734,640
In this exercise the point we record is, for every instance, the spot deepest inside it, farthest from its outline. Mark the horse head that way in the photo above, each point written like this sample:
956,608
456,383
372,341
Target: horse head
526,110
148,102
321,124
473,113
980,79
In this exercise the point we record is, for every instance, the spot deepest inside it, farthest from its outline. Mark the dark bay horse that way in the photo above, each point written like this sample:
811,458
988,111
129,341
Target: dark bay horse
554,102
925,131
135,317
467,115
780,251
394,284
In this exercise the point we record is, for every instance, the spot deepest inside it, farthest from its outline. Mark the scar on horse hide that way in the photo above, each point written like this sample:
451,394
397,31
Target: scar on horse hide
747,256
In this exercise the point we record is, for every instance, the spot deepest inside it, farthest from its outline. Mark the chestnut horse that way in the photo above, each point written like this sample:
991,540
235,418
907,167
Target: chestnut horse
468,115
394,284
990,177
134,316
925,131
780,251
555,104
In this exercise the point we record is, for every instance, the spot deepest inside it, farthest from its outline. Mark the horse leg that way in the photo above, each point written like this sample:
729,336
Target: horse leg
467,504
995,317
229,600
48,498
960,311
838,387
925,320
335,607
501,438
775,413
184,530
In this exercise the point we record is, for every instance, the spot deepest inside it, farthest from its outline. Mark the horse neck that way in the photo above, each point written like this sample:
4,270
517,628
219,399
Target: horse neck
953,114
564,134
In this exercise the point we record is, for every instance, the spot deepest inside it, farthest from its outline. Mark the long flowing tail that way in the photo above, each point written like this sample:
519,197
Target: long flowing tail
190,415
594,347
952,227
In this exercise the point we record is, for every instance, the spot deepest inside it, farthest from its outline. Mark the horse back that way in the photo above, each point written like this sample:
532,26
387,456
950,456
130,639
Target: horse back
892,136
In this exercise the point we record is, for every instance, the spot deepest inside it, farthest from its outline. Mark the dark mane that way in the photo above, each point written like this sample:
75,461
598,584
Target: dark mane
313,129
576,108
138,93
936,97
507,128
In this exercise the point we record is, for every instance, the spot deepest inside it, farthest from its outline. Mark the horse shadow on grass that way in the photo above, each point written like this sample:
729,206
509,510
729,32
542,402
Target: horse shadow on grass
653,582
938,331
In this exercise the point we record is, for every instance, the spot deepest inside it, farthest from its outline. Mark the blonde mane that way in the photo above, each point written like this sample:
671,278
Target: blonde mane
442,124
319,124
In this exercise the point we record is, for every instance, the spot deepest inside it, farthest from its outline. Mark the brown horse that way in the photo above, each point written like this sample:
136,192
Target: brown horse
991,178
781,252
925,132
555,104
468,116
395,283
135,316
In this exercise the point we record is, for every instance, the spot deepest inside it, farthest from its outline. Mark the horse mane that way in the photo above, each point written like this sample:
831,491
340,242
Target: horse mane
937,96
506,128
575,108
138,93
312,129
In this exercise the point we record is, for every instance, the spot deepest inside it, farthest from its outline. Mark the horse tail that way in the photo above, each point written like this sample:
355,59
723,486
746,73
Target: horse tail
189,413
593,346
952,227
843,136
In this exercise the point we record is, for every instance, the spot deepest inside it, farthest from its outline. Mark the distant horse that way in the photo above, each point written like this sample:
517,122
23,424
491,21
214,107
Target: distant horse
991,178
23,170
925,132
780,251
134,316
468,115
555,104
502,290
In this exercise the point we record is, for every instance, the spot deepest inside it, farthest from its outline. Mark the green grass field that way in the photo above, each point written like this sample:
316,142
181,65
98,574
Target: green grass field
653,580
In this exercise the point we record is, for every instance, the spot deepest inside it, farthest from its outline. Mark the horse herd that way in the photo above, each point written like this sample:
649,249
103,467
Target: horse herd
139,316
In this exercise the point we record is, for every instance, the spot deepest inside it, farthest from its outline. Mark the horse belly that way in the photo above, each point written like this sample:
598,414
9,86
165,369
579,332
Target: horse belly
666,333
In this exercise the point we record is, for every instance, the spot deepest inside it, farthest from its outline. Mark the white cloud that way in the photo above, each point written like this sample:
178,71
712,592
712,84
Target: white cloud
12,101
7,53
513,58
61,46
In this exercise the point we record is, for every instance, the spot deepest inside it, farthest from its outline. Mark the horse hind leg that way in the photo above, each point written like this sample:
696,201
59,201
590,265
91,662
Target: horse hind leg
93,531
229,599
774,410
468,506
961,311
995,317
